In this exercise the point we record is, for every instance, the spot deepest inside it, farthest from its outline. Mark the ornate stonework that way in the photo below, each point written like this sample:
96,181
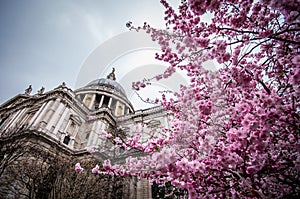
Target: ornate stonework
73,120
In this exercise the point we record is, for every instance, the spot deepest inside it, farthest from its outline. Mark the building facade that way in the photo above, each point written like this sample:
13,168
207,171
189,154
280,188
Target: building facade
73,121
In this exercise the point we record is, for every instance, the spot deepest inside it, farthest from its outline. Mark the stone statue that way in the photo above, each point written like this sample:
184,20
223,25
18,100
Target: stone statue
28,90
61,86
112,75
41,91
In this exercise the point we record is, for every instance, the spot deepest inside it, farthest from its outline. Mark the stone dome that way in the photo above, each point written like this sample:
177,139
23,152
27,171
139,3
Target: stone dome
109,83
105,93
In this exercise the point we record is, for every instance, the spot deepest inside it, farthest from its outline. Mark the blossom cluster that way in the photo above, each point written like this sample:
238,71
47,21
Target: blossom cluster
235,130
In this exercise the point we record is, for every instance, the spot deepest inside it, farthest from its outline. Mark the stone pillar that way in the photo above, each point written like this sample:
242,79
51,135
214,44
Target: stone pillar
61,120
76,130
63,135
42,113
37,113
67,126
99,130
20,116
51,111
101,101
14,119
92,101
133,188
55,116
109,102
139,191
93,134
72,142
144,189
65,122
100,139
96,132
90,141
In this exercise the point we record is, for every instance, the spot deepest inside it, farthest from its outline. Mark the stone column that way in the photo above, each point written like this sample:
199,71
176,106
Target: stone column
42,113
51,111
55,117
143,189
72,142
95,132
63,135
92,101
14,119
133,188
90,141
101,101
37,113
75,130
99,130
67,126
109,102
61,120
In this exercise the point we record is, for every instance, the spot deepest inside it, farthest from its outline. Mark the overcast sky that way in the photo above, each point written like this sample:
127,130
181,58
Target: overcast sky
45,42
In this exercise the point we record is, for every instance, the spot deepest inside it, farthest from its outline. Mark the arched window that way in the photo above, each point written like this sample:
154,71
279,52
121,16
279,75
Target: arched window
66,140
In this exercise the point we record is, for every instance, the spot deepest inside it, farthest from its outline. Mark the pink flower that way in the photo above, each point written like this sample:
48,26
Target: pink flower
106,135
251,169
260,111
78,168
183,164
248,121
118,140
106,165
90,150
295,79
96,169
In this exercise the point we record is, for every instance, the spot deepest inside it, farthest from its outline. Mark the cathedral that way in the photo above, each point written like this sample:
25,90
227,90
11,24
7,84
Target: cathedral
68,123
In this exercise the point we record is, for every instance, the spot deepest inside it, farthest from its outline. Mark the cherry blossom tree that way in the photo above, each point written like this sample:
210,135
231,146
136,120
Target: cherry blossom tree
236,129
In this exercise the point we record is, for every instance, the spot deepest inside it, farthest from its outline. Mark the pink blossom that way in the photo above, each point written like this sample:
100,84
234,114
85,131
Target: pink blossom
234,131
106,164
106,135
96,169
118,140
295,79
90,150
251,169
78,168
